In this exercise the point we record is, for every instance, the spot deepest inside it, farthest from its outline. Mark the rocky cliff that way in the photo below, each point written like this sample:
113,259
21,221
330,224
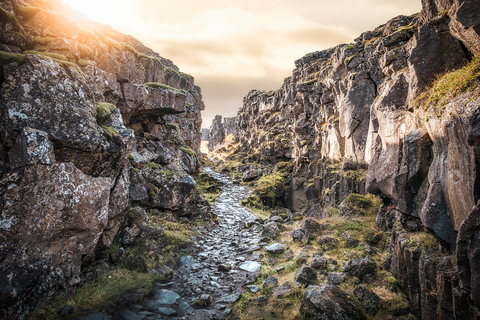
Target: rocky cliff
92,123
387,115
220,129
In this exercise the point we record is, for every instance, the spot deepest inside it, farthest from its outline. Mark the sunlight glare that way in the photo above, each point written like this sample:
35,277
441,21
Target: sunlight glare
110,12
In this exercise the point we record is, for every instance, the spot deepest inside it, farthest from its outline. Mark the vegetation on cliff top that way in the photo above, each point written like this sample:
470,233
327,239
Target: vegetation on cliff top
451,85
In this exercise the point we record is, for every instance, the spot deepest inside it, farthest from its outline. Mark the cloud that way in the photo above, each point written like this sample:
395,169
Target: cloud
231,47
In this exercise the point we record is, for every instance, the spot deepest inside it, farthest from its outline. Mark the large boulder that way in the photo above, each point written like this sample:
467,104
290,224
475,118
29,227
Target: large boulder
328,302
361,267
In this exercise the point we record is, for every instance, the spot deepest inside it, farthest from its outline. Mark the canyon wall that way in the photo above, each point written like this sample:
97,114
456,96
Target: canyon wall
220,129
354,118
92,123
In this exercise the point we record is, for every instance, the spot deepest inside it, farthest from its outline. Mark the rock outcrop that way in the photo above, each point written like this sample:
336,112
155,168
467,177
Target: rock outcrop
220,129
360,118
91,122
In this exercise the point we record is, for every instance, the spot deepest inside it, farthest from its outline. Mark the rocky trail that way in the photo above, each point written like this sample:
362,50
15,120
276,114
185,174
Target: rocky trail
206,284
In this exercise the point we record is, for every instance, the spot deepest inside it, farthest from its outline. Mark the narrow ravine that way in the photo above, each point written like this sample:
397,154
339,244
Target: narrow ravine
216,270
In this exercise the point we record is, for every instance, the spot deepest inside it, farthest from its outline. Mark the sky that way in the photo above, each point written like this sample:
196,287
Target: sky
234,46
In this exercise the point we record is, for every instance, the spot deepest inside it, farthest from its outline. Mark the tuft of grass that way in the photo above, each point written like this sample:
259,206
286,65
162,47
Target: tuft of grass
163,86
188,150
97,292
6,57
450,85
349,59
104,109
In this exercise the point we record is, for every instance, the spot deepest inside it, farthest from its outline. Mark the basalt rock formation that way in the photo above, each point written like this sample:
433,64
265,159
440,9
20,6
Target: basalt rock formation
92,123
220,129
355,118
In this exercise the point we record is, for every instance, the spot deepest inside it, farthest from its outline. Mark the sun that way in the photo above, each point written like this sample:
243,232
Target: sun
104,11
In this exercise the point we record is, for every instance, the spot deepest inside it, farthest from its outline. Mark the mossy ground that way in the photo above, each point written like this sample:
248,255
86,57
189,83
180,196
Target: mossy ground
208,187
343,229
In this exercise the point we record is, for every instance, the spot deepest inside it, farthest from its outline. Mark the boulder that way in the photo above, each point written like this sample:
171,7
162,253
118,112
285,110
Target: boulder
361,267
369,300
271,230
306,275
328,302
275,248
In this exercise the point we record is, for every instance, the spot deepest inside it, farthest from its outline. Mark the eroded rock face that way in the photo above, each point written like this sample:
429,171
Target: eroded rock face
220,129
98,122
350,121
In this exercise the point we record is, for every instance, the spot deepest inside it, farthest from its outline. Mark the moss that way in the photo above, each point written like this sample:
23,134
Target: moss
52,55
85,52
170,70
84,63
188,150
349,47
6,57
7,16
164,86
364,205
267,184
310,82
152,192
131,156
349,59
152,165
208,187
44,40
110,132
172,125
450,85
27,12
104,109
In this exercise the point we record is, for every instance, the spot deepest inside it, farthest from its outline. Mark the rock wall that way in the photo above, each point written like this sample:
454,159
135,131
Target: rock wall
351,120
91,122
220,129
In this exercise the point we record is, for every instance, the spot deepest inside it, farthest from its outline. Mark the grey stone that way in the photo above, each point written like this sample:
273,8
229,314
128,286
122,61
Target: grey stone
166,297
306,275
253,288
275,248
336,278
250,266
270,282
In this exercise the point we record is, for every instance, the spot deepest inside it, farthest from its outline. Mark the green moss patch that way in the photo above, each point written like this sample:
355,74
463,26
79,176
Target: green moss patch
188,150
163,86
6,57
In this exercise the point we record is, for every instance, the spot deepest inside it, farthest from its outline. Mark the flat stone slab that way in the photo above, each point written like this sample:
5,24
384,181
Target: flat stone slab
275,248
166,297
231,298
250,266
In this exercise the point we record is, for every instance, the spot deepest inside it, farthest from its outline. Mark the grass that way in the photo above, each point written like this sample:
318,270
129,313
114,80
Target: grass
163,86
104,109
55,56
97,292
451,85
7,16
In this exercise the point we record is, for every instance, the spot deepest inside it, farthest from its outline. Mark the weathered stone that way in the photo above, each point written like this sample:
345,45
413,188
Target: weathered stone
305,275
361,267
275,248
283,290
270,282
271,230
250,266
369,300
336,278
327,302
319,262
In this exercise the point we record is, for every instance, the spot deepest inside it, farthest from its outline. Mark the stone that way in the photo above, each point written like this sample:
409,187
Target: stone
361,267
250,266
312,227
325,302
224,267
369,300
300,235
204,300
275,248
301,258
282,290
270,282
256,256
306,275
336,278
184,309
166,297
319,262
231,298
253,288
271,230
167,311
